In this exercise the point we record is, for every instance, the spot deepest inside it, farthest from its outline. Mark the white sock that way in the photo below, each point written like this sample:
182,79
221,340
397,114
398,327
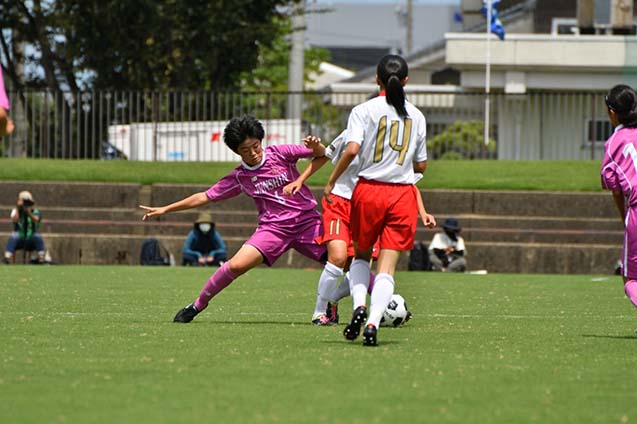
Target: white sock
326,285
381,296
359,281
340,291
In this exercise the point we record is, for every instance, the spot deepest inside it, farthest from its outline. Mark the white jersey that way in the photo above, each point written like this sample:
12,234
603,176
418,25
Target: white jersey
344,186
389,144
442,241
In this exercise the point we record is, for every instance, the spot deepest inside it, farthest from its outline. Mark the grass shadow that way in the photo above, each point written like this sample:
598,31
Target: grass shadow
606,336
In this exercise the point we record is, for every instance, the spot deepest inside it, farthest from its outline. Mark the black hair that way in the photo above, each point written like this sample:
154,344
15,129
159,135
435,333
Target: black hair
391,70
239,130
622,100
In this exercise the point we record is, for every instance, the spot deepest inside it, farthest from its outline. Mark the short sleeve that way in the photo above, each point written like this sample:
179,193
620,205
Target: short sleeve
292,152
421,141
609,178
609,170
356,125
225,188
335,149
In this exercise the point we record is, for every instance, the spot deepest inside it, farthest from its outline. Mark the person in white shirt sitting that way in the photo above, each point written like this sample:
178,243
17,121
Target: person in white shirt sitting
447,251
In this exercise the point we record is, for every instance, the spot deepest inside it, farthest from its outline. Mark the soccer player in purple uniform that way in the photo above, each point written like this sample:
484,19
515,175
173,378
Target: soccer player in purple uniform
285,222
619,174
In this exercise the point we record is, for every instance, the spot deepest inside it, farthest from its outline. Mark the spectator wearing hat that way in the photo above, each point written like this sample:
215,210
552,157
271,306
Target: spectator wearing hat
447,250
204,245
26,229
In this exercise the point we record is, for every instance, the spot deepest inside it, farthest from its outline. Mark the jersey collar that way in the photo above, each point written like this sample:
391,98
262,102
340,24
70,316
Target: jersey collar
257,166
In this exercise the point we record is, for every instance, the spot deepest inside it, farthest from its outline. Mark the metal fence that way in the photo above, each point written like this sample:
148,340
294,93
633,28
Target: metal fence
188,126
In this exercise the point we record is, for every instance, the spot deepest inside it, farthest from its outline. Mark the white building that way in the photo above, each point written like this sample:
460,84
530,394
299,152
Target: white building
548,89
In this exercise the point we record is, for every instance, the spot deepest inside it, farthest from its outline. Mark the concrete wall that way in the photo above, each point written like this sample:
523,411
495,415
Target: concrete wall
534,232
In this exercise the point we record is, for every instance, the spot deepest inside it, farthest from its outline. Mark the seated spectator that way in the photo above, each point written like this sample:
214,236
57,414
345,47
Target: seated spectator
204,246
26,229
447,251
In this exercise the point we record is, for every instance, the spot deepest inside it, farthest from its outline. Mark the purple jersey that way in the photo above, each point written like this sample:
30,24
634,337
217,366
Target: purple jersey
619,166
619,173
264,183
4,101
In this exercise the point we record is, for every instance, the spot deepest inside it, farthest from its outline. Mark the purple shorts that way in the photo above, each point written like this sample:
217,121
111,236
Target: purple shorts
273,240
629,252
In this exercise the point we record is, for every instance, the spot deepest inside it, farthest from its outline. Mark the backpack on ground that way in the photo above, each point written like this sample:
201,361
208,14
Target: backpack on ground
151,253
419,258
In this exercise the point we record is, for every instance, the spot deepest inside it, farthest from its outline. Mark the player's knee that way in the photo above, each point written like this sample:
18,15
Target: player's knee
338,259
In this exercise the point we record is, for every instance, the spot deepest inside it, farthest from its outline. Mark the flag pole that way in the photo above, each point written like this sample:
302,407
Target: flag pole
487,82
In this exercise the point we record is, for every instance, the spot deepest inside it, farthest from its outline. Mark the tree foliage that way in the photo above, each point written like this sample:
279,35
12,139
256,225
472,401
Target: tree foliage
137,44
462,140
271,71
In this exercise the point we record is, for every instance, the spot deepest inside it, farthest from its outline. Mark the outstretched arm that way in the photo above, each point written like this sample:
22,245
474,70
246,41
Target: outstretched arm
314,143
190,202
346,159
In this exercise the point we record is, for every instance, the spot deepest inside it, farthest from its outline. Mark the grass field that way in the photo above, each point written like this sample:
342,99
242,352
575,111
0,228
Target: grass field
470,175
97,345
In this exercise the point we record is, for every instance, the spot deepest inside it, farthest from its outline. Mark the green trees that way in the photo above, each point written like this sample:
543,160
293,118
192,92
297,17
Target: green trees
461,140
92,63
136,44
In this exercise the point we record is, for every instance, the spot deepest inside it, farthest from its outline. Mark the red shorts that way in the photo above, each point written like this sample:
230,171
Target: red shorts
336,224
386,211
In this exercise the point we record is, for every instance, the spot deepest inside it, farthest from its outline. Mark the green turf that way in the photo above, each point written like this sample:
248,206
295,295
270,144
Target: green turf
440,174
96,345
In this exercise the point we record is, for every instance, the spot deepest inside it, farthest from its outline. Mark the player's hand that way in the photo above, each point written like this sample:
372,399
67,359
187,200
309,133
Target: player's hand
292,188
327,193
7,128
429,221
311,141
151,212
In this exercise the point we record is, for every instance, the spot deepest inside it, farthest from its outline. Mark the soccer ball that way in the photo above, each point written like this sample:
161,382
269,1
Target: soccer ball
396,313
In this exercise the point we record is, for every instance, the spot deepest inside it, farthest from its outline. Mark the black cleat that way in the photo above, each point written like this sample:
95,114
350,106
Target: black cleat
332,312
353,329
369,336
187,314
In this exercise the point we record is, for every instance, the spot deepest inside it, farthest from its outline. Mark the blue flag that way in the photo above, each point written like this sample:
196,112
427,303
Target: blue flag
496,25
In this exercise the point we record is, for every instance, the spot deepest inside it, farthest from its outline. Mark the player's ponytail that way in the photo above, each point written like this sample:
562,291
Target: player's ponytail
622,100
391,71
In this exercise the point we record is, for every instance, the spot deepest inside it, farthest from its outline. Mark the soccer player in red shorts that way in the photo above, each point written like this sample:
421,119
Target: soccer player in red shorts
387,134
337,235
